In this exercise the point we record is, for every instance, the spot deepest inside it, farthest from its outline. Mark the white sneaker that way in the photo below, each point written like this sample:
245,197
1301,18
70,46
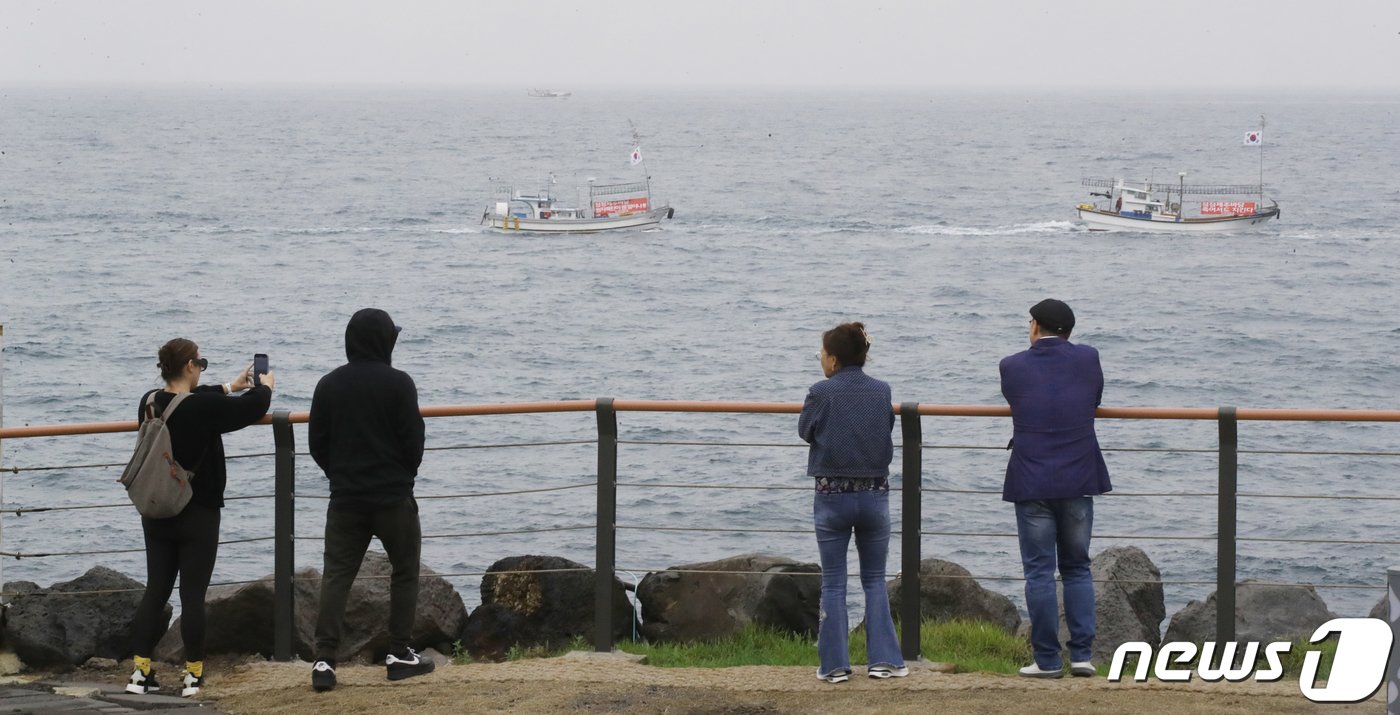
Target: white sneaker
190,685
1034,671
885,670
407,665
1082,669
835,676
142,683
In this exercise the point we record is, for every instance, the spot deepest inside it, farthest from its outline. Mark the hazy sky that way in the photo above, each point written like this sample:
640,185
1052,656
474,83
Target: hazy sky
1219,45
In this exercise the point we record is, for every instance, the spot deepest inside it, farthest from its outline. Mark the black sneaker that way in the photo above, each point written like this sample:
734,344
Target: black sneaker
190,684
323,676
407,665
142,683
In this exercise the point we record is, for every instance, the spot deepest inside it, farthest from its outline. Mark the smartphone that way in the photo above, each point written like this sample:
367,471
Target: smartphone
259,368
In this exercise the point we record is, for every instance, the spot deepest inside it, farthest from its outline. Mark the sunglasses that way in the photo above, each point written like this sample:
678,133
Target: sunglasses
203,363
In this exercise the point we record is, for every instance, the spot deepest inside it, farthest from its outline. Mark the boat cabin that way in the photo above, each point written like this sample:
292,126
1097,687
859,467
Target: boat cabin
1134,201
534,206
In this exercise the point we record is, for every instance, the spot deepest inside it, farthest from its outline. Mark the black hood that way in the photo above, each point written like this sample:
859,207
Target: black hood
371,335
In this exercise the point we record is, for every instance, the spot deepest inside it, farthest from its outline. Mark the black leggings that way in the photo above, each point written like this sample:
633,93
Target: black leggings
183,545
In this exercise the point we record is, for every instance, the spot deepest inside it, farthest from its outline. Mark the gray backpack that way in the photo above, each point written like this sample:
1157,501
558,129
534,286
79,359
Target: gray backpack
157,484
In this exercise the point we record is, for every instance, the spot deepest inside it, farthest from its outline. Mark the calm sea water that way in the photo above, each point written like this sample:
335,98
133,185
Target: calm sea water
259,220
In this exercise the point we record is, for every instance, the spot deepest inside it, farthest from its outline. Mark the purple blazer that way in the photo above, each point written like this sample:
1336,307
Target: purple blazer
1053,389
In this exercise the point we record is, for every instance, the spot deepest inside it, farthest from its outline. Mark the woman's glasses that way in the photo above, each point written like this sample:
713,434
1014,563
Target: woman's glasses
203,363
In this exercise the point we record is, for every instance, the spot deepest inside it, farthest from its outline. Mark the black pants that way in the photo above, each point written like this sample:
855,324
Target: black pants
347,538
184,545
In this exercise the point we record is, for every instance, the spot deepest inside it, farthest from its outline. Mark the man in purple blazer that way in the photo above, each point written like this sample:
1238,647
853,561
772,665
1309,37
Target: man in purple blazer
1054,472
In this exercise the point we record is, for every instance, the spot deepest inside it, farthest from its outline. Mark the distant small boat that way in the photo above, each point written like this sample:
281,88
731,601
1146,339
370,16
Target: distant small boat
550,94
610,207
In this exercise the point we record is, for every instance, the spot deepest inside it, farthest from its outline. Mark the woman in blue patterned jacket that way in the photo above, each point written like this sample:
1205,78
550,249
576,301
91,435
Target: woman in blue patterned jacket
847,419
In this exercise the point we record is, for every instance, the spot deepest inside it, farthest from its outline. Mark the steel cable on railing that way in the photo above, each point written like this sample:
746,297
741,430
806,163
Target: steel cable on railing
362,577
109,465
1002,448
896,532
21,511
18,555
960,577
468,495
507,445
972,577
542,530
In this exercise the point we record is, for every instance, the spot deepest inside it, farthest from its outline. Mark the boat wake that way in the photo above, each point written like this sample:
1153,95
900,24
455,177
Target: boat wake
1010,230
326,230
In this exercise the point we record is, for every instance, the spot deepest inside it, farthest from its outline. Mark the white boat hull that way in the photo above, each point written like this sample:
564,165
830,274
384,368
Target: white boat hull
1098,220
642,219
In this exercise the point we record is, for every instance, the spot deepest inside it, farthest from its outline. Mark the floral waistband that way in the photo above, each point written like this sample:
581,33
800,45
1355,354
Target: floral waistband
846,485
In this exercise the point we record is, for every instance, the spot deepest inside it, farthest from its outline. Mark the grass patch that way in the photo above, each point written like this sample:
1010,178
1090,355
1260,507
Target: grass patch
972,646
1293,660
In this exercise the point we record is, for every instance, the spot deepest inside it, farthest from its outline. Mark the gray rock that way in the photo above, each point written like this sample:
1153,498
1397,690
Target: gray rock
538,609
437,620
699,606
238,620
1132,610
1262,613
1131,606
1381,609
240,617
948,592
47,628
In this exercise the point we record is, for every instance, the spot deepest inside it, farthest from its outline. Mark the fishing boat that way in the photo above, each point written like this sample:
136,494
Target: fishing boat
1164,208
549,94
610,207
1149,206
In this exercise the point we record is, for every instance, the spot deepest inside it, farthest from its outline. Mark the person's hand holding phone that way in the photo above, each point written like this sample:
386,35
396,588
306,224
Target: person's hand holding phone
261,371
243,381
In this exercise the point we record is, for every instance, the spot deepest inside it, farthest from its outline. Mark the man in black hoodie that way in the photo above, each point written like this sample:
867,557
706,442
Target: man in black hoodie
366,433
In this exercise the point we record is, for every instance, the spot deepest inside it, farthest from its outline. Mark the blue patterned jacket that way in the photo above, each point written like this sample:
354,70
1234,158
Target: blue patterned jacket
1053,389
847,419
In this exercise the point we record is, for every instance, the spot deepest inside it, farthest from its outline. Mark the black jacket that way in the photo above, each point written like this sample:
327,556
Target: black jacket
196,429
365,431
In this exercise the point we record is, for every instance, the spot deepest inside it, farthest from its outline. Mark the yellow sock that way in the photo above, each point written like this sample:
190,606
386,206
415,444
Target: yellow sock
195,668
143,664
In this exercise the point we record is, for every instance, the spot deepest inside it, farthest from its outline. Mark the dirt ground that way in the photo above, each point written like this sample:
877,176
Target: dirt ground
588,683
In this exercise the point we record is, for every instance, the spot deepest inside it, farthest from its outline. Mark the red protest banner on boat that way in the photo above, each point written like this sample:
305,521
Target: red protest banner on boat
1237,208
620,206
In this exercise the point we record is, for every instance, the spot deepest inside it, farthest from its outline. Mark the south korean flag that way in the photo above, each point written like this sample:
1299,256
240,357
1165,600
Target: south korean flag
1255,138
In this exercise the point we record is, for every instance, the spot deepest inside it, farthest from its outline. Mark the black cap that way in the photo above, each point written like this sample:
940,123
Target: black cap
1053,315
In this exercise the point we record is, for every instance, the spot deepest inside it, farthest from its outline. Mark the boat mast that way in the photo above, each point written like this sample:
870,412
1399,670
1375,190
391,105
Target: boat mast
1261,162
637,142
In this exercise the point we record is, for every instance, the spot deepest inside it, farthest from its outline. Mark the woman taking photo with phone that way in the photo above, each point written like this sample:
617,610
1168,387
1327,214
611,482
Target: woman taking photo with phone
186,544
847,419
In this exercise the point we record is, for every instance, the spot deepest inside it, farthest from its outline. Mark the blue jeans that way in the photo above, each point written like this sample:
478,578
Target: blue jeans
867,515
1048,529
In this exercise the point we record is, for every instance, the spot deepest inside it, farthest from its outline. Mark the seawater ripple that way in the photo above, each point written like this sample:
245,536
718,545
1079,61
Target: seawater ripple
120,228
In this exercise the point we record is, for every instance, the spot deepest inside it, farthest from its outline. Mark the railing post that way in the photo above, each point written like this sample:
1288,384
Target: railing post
1392,593
1226,526
912,481
283,552
606,559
